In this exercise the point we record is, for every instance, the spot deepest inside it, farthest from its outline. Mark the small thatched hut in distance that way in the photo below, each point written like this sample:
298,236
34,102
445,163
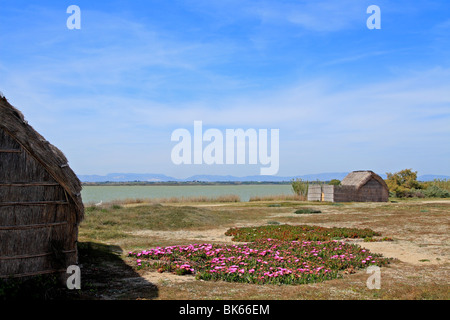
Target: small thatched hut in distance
368,185
364,186
40,201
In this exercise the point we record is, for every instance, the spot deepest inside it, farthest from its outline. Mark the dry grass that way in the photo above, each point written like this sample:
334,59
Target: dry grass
281,197
182,200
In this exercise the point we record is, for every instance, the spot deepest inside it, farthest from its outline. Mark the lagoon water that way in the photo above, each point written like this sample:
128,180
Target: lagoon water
94,194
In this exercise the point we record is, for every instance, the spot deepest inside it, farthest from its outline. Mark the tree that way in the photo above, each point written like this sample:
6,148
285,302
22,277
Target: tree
335,182
402,182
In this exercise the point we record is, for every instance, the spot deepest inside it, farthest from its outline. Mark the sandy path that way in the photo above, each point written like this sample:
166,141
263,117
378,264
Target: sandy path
406,252
199,236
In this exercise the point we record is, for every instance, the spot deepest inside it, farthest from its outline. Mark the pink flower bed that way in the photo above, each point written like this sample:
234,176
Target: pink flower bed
262,261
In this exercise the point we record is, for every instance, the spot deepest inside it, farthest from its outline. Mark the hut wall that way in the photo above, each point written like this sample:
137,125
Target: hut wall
345,193
37,230
328,193
332,193
373,191
314,192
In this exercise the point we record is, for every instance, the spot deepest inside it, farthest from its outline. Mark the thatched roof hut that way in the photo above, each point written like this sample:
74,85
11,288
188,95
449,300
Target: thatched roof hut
363,185
361,177
368,186
40,201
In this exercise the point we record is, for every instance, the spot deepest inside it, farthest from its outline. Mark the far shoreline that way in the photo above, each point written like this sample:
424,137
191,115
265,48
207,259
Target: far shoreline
183,183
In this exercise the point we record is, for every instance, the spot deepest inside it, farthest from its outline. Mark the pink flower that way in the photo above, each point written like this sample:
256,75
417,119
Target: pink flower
232,270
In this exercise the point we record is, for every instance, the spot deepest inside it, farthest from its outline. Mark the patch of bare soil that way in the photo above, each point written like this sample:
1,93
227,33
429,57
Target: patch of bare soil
198,236
406,252
163,278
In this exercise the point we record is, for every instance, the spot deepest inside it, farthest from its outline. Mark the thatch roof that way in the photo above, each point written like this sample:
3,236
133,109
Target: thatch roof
360,178
51,158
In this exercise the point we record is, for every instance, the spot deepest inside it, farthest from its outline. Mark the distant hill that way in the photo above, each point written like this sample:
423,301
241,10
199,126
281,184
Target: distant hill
431,177
150,177
127,177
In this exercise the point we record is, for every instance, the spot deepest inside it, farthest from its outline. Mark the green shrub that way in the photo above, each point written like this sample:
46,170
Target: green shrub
297,232
436,192
300,187
417,193
442,183
307,210
403,183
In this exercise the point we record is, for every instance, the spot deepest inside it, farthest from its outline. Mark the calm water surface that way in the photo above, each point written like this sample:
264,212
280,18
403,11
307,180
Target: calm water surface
94,194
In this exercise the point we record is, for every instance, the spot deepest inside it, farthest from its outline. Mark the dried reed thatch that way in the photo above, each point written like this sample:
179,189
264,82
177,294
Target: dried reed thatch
359,178
368,186
40,201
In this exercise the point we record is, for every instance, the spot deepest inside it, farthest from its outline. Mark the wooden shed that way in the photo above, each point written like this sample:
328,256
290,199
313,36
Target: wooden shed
40,201
363,186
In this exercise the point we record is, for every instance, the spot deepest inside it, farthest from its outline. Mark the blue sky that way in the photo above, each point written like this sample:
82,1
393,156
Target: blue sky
343,97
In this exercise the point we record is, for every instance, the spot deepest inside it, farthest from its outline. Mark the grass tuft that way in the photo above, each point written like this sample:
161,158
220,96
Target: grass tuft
307,210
